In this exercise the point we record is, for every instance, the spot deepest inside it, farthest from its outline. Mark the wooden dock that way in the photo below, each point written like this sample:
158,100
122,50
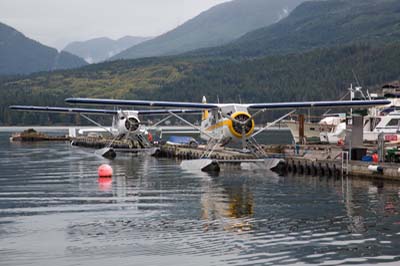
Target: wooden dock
314,160
100,142
31,135
298,165
189,153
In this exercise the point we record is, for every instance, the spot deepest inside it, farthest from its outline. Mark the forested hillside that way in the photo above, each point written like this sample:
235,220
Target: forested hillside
318,75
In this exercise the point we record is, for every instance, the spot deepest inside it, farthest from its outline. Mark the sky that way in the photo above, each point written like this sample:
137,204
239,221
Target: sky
58,22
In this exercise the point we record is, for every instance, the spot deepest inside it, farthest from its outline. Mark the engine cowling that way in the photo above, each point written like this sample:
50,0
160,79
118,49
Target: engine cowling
237,128
128,122
132,124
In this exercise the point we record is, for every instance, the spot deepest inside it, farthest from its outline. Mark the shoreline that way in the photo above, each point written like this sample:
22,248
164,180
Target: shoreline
38,128
67,128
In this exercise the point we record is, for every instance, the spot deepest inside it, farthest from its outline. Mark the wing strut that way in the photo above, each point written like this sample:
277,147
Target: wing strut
193,126
162,121
273,123
97,124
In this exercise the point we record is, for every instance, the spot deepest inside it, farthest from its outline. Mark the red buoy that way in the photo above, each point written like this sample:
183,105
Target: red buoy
105,171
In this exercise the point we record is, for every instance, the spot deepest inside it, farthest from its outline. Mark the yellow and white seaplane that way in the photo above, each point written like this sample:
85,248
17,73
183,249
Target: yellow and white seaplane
126,124
222,123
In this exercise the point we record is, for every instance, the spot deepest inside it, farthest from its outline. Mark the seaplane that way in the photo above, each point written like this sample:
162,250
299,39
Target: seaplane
126,124
229,122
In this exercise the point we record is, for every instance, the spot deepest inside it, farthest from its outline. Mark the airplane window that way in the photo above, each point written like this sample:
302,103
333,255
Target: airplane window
393,122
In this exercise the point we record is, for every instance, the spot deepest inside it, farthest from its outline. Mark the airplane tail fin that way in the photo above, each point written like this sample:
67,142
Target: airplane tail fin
205,112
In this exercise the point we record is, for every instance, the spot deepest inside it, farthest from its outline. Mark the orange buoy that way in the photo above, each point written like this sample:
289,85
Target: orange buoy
105,171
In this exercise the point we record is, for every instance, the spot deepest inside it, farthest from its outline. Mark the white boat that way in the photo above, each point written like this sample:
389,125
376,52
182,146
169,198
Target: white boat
312,130
388,124
332,129
336,135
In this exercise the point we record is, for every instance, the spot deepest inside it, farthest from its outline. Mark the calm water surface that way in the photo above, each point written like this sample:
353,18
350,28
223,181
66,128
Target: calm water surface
55,211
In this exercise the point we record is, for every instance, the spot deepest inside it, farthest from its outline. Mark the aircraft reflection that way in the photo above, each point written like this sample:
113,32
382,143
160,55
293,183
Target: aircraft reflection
230,204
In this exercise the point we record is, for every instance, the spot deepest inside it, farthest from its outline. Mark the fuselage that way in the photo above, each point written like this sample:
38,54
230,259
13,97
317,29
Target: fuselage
223,123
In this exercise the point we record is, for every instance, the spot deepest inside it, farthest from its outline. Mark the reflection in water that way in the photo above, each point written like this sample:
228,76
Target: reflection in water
105,184
233,206
153,213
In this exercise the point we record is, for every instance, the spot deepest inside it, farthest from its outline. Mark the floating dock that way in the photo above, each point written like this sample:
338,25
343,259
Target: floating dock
315,160
190,153
100,142
31,135
298,165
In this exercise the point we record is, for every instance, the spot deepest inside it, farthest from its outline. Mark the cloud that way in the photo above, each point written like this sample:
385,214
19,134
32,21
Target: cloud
283,14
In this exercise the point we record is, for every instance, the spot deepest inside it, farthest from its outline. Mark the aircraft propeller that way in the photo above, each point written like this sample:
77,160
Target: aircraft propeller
245,123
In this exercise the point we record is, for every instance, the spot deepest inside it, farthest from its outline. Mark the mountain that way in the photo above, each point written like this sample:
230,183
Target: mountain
320,74
21,55
101,49
216,26
318,24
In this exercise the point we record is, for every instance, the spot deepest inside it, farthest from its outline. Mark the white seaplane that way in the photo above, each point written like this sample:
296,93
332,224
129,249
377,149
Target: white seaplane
222,123
126,123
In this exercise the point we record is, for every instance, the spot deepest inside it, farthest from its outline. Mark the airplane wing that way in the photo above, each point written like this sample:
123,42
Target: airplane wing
166,112
65,110
319,104
141,103
283,105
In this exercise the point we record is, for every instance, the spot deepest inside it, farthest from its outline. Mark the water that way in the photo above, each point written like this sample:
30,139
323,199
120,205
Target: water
55,211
